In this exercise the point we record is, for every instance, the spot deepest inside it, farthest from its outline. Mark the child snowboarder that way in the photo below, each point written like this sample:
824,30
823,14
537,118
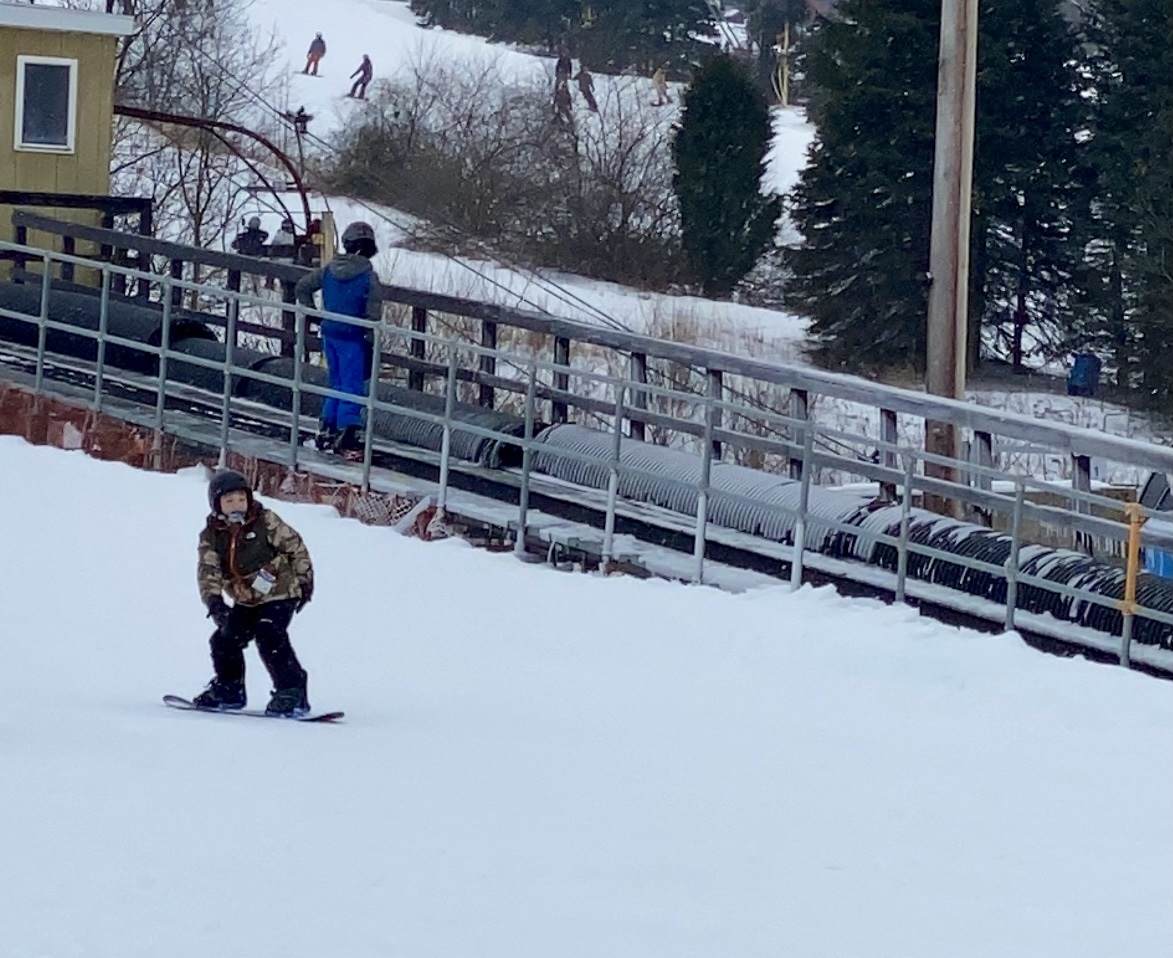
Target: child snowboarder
349,286
263,564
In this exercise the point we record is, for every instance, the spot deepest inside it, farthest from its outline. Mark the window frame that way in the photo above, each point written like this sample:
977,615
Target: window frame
69,147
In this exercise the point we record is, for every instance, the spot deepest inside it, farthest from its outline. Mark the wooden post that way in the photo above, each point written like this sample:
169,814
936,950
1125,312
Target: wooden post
289,318
559,410
716,391
639,398
487,364
799,409
949,249
419,324
888,434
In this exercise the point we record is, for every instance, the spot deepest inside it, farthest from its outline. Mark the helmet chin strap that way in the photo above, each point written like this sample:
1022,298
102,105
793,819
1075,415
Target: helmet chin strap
236,518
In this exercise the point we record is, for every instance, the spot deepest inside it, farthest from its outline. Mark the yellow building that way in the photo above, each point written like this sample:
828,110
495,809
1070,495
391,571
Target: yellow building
56,104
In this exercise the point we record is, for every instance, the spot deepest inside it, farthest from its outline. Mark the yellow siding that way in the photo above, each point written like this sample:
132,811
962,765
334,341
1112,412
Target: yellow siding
87,169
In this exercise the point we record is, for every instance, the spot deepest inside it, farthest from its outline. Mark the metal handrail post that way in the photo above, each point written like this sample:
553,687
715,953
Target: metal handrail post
804,495
1012,559
531,391
43,330
446,444
613,479
103,324
372,395
295,391
905,522
226,404
702,499
164,348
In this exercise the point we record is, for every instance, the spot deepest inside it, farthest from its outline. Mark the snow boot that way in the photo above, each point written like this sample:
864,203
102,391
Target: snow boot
326,440
350,444
222,695
291,702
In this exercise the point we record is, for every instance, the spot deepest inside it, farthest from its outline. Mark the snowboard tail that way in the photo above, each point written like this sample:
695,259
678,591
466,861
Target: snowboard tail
186,705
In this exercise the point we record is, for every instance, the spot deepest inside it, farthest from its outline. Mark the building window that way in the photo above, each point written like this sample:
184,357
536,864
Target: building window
46,104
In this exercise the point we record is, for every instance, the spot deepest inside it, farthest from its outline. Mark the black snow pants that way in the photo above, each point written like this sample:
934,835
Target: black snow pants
268,624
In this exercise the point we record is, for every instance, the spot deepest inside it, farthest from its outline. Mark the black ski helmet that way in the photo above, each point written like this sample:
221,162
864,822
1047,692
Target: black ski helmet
358,238
224,481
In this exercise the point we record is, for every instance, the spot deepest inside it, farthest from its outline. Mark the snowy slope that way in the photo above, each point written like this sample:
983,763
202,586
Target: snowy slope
387,31
544,764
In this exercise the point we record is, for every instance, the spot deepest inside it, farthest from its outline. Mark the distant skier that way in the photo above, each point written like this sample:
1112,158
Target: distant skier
660,82
313,57
349,286
247,551
563,107
563,67
586,86
365,71
251,240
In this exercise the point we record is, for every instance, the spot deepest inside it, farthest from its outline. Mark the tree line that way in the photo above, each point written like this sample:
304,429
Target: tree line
1072,224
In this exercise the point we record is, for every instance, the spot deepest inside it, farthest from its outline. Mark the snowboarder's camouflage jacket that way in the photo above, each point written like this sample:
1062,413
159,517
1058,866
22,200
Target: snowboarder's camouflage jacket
231,555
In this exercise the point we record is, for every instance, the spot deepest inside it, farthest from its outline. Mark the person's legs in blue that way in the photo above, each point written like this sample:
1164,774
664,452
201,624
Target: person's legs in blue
330,404
350,362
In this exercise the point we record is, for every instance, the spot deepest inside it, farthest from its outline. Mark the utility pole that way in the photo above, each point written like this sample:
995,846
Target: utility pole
952,196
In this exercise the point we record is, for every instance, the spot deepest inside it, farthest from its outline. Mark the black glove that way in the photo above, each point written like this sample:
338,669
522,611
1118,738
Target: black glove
307,593
218,612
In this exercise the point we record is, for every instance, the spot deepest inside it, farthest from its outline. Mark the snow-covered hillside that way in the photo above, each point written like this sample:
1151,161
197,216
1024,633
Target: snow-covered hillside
538,763
388,32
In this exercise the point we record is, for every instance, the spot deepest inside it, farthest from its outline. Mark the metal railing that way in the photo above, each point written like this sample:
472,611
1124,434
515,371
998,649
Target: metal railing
629,401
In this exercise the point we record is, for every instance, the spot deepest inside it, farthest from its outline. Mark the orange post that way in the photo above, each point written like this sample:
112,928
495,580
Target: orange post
1136,519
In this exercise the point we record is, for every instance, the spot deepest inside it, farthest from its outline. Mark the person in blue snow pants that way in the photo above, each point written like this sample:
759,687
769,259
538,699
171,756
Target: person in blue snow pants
350,287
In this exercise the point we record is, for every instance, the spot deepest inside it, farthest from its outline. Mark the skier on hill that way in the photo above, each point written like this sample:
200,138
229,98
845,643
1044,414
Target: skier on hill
263,564
563,66
349,286
660,83
563,107
365,71
316,52
586,86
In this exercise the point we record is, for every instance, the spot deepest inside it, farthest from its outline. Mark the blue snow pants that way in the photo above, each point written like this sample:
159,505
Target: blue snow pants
346,363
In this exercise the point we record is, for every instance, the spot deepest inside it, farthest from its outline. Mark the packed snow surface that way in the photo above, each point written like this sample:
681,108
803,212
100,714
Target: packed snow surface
537,763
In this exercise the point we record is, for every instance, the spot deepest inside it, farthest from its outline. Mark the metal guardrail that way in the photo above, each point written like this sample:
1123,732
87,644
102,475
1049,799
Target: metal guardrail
898,469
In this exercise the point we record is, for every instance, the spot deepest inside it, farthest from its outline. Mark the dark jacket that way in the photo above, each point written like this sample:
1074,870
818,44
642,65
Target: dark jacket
365,70
231,555
318,47
250,242
352,288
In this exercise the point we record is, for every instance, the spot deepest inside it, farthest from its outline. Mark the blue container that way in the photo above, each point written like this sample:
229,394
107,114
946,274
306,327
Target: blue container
1084,376
1158,562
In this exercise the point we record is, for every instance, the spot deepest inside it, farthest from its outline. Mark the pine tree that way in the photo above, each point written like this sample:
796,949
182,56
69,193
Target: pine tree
1030,217
647,35
1132,144
719,148
863,204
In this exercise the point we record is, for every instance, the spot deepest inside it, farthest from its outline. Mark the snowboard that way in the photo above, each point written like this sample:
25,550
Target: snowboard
176,702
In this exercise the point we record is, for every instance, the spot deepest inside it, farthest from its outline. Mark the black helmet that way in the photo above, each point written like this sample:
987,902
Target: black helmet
225,481
359,238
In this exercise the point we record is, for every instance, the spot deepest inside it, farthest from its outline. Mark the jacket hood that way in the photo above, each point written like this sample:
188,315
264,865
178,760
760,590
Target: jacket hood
348,265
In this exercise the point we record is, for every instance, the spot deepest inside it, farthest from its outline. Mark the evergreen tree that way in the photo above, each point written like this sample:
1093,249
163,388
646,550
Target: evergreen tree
1132,144
864,204
1030,215
620,34
726,222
